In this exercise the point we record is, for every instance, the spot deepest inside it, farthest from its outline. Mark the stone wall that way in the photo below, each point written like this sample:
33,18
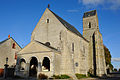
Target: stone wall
48,32
6,50
96,62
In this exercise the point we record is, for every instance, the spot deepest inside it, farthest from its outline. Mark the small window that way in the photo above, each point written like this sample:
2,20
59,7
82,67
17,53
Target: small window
76,64
89,24
83,49
73,47
47,20
60,35
47,43
13,46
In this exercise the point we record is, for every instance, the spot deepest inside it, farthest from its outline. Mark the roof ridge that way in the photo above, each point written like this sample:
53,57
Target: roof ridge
8,39
4,40
69,26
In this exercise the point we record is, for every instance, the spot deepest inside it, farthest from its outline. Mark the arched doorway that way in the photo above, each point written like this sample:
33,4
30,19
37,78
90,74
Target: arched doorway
46,64
33,66
22,64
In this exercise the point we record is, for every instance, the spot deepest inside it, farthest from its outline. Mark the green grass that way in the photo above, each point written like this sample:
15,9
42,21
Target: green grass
80,76
61,76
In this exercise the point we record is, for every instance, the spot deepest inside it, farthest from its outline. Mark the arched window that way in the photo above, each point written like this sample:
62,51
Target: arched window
13,46
60,36
89,24
33,66
46,64
47,20
72,47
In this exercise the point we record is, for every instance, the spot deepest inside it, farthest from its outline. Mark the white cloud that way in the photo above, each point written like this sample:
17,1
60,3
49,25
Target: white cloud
79,1
73,10
108,4
92,2
115,4
115,59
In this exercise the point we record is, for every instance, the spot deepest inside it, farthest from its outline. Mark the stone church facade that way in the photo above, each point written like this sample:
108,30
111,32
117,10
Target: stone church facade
57,47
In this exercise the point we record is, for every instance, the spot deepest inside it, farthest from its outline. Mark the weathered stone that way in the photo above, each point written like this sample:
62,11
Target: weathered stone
68,51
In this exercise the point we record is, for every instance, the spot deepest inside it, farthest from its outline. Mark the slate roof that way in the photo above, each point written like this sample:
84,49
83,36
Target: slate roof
68,26
90,13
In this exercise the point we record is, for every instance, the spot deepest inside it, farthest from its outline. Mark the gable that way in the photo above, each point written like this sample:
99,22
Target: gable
9,42
52,21
48,32
60,24
34,47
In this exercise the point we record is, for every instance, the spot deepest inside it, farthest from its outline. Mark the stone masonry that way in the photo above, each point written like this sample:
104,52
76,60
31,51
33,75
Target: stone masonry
58,48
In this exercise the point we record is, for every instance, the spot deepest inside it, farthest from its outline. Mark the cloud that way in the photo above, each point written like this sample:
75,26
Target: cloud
107,4
92,2
115,59
115,4
73,10
79,1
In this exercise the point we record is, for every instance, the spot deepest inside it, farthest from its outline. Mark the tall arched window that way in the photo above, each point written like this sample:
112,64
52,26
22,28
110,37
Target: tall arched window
89,24
46,64
72,47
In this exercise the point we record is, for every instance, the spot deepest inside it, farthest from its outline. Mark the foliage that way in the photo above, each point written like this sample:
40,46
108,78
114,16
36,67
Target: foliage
80,76
115,69
119,69
108,57
42,76
91,75
61,76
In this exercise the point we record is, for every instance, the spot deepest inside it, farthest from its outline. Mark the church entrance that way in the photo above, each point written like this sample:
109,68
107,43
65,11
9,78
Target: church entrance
33,67
46,64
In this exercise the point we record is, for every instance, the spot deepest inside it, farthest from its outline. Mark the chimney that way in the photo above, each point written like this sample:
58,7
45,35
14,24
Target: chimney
9,36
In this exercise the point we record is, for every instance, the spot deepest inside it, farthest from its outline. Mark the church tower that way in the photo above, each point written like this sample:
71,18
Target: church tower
91,32
90,24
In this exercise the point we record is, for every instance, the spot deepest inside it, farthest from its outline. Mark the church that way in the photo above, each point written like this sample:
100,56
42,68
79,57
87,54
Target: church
57,48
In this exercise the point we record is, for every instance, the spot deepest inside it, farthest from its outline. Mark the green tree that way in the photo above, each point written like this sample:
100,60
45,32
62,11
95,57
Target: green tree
115,69
108,57
119,69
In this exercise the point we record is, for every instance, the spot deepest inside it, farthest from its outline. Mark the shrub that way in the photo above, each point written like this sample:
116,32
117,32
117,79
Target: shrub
61,76
42,76
91,75
80,76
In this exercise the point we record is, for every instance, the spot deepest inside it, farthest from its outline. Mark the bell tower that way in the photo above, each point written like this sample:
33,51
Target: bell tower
90,24
91,32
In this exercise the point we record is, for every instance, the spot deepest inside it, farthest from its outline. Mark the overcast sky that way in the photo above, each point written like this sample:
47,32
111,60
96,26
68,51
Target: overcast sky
19,17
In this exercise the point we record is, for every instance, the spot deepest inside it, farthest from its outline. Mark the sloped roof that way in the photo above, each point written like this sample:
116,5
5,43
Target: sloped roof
4,41
8,39
46,45
68,26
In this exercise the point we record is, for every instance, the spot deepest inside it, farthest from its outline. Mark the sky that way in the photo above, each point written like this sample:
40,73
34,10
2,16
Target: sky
19,17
